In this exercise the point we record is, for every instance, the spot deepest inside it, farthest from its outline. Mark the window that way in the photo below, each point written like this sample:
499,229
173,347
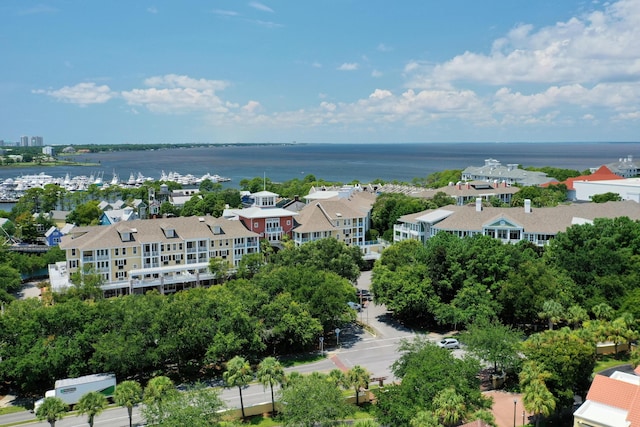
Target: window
73,263
256,225
73,252
117,251
124,251
288,222
135,250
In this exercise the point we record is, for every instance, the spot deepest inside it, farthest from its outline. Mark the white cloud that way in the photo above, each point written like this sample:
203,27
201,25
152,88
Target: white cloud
376,73
82,94
252,107
260,6
316,64
178,81
599,46
224,12
152,10
348,66
179,94
175,101
384,48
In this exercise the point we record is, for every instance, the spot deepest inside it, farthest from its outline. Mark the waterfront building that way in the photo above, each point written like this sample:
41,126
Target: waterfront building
493,171
264,217
603,173
510,225
627,189
167,254
343,214
37,141
625,167
48,151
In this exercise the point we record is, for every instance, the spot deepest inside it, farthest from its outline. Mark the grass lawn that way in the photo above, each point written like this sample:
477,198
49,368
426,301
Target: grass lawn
11,410
606,362
302,359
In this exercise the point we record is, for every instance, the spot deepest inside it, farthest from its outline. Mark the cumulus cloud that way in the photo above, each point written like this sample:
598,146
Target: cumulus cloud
598,46
82,94
153,10
182,81
174,93
348,66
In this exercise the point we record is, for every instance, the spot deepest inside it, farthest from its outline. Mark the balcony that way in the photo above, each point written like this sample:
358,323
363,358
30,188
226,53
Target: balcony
274,229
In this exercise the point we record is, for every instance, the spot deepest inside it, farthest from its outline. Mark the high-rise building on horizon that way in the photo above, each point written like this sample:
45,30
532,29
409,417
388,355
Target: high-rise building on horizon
37,141
24,141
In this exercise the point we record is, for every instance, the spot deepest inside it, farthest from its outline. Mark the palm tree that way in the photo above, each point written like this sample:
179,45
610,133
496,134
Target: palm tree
538,400
157,388
449,406
358,377
576,315
533,372
603,311
336,376
270,372
92,404
552,311
128,394
52,409
425,419
238,374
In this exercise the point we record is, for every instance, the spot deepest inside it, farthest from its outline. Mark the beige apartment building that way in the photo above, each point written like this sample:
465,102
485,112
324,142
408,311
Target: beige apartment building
167,254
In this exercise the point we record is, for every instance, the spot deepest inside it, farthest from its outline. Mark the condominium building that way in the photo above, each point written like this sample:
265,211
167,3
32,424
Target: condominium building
511,225
167,254
345,216
493,171
264,217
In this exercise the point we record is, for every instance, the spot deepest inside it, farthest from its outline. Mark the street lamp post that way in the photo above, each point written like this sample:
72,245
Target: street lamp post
337,331
321,346
515,403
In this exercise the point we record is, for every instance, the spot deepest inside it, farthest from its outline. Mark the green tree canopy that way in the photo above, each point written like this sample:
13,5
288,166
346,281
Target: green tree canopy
128,394
91,404
311,400
52,409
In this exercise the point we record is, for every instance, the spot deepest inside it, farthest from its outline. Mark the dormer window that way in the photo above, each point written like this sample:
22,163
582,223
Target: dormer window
169,233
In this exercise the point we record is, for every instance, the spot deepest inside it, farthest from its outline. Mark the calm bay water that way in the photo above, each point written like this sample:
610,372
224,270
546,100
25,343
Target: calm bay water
337,162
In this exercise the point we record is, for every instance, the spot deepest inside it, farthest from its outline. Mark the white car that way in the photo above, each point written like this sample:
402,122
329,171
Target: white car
354,305
449,343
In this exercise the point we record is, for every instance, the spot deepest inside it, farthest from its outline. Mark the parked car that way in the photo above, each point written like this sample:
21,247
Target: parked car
364,295
354,305
449,343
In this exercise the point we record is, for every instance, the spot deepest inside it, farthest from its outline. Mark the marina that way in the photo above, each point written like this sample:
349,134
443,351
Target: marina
11,189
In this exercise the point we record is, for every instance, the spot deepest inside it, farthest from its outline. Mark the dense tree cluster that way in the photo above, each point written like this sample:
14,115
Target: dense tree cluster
453,281
285,307
435,384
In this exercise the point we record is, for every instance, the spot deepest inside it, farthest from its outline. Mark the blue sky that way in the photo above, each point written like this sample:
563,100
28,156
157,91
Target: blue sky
362,71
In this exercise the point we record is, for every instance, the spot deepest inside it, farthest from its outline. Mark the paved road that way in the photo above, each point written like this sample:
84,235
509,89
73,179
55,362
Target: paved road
375,351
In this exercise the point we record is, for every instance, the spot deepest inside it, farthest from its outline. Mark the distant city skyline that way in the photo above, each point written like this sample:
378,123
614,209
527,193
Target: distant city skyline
353,71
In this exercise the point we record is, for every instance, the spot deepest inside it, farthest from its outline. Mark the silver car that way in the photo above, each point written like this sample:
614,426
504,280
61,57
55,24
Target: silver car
450,343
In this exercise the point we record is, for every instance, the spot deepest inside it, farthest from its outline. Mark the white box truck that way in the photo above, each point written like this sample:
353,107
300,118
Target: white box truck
70,390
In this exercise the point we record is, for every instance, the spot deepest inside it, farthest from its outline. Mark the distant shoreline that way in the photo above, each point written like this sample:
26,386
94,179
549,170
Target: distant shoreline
47,164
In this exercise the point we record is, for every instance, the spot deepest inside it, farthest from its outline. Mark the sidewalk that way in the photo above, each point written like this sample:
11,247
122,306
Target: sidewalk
504,408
